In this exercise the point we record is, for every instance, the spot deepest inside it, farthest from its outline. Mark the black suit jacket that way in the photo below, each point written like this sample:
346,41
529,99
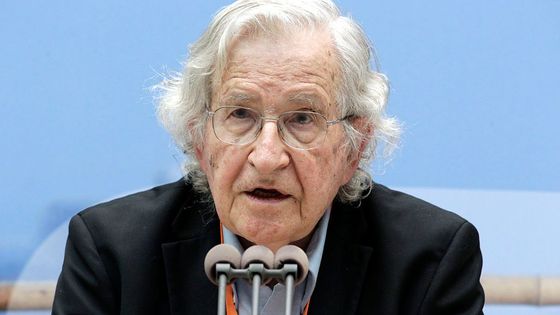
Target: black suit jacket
391,254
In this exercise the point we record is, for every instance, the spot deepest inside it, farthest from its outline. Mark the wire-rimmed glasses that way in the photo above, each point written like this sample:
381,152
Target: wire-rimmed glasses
303,130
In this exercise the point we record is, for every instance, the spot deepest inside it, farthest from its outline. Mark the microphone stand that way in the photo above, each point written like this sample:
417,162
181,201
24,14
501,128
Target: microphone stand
256,293
222,262
222,295
289,271
223,271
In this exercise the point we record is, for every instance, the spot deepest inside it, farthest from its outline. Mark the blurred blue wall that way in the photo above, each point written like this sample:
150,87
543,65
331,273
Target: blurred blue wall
476,84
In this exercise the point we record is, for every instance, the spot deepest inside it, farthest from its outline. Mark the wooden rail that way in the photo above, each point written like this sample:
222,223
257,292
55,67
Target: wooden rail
537,291
26,295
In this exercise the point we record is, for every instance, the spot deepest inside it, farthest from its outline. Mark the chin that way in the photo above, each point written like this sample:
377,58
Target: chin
264,236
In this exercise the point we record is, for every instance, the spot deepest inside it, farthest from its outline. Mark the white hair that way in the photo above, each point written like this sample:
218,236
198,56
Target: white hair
361,91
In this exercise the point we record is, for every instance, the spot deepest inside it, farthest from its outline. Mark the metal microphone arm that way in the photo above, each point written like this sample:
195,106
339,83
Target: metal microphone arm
219,264
294,264
222,294
289,293
224,275
257,259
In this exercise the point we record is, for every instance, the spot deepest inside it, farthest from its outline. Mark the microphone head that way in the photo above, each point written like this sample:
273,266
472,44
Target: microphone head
258,254
291,254
222,253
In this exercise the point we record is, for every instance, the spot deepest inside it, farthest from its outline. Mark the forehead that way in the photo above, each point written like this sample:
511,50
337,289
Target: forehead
300,68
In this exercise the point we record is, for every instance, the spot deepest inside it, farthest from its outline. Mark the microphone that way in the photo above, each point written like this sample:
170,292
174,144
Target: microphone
293,261
218,265
256,259
224,263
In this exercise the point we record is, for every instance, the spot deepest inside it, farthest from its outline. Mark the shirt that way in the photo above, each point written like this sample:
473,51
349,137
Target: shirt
272,300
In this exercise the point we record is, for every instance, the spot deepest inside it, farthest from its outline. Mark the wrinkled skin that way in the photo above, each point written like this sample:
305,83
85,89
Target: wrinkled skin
267,192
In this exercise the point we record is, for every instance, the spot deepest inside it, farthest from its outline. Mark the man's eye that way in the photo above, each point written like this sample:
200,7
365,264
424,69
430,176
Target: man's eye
302,118
241,113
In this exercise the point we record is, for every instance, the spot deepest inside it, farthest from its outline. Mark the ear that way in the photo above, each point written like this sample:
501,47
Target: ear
199,154
366,129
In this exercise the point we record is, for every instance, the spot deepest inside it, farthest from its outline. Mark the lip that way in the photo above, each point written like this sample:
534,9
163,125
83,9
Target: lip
263,186
258,194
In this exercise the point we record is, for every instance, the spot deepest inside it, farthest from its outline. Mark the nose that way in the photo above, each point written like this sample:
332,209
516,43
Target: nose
269,152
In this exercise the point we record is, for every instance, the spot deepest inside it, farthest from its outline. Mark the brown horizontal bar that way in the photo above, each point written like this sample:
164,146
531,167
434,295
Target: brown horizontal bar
512,290
525,290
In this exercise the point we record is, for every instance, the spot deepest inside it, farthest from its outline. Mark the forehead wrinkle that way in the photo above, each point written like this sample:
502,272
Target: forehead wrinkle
314,101
280,70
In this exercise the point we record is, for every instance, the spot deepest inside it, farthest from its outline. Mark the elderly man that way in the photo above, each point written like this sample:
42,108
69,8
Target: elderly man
279,114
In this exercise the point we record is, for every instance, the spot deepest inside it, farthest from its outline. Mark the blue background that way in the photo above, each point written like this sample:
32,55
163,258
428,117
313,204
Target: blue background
475,84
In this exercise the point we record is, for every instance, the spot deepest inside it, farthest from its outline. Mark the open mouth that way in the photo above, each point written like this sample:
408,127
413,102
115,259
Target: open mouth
267,194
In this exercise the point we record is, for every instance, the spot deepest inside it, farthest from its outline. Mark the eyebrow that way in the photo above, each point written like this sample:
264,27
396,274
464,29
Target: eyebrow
311,100
239,97
314,101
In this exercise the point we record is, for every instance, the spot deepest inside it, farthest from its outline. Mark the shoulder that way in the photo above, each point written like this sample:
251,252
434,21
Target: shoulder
402,224
130,219
113,253
417,254
397,211
431,251
140,203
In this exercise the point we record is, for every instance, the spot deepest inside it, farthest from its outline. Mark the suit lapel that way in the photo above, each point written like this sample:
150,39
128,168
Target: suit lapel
190,292
344,264
193,235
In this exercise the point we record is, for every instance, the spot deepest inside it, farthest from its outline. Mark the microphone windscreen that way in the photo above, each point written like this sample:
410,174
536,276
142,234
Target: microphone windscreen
222,253
257,254
291,254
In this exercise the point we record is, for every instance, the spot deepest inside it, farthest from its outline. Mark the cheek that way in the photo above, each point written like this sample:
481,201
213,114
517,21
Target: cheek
333,169
224,166
223,169
320,178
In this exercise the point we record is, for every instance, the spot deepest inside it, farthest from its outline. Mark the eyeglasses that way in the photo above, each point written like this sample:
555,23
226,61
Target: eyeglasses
303,130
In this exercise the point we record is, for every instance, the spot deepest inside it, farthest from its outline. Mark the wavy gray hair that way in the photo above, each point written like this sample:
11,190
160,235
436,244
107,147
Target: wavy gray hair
362,91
